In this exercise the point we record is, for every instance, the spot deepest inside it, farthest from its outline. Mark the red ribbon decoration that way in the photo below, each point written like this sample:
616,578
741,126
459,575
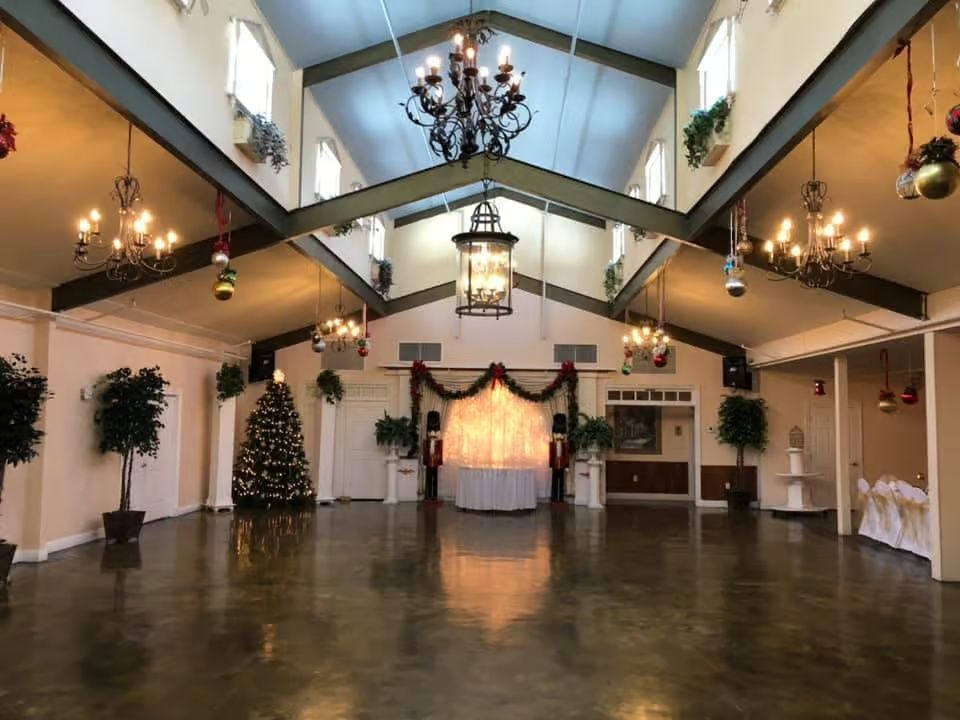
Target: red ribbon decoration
499,373
222,243
911,160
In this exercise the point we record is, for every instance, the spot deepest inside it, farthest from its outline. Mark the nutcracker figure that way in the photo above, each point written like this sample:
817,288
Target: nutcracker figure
432,455
559,458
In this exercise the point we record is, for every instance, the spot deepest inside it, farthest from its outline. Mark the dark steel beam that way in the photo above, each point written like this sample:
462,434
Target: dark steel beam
315,249
523,198
193,256
421,297
866,288
58,34
385,196
588,198
867,45
663,252
295,337
440,33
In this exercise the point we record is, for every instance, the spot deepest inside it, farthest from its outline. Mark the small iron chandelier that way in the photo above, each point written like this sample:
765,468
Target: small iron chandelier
829,253
649,342
134,250
338,332
485,280
479,116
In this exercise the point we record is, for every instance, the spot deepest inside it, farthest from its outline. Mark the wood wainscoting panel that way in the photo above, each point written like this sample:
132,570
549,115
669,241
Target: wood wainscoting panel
714,479
663,478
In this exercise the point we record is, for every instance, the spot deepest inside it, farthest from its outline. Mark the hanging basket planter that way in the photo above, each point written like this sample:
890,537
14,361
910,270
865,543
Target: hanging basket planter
707,136
260,139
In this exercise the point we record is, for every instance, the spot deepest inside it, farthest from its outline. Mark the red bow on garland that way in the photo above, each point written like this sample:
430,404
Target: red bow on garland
498,372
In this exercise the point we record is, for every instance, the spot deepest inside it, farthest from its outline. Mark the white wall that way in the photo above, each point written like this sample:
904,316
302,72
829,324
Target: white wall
575,257
775,56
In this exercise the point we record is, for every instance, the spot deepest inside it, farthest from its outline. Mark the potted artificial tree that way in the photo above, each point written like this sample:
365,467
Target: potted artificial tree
393,434
742,424
23,391
594,435
128,417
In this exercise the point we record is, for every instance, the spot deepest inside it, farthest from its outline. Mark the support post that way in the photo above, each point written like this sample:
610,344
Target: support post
941,357
222,430
841,413
391,495
325,458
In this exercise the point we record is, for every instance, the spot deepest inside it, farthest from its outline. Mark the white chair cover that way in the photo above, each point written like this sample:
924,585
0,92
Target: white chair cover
891,523
870,513
895,513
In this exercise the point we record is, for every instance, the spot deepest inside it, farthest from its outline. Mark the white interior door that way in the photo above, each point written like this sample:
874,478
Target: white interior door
156,481
360,472
822,443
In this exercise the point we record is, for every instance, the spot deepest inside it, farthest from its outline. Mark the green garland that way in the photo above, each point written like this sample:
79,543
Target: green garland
330,386
421,376
613,280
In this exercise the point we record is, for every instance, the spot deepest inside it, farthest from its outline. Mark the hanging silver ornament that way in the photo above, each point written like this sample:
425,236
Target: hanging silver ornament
220,259
317,342
907,185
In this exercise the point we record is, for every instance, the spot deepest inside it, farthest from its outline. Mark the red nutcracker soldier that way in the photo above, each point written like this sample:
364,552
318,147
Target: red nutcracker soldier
432,455
559,458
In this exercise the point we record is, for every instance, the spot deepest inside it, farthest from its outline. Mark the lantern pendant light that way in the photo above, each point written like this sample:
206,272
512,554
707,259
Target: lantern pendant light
485,278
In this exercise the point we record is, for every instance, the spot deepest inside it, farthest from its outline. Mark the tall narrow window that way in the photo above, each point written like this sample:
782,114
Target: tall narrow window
654,174
718,65
619,241
251,68
327,182
377,239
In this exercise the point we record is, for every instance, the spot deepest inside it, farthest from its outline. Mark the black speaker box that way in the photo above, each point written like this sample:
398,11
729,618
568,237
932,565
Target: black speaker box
735,373
262,364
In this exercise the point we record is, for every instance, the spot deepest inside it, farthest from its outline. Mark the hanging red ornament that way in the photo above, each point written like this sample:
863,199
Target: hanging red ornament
953,120
660,360
910,396
8,134
819,387
362,351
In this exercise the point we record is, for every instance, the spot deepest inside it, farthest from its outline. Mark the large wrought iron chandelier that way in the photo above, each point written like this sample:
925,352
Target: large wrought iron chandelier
134,250
829,253
483,113
485,280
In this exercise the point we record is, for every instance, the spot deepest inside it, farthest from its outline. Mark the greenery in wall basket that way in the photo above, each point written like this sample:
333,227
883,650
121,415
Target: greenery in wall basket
703,124
23,390
330,386
384,279
742,424
268,143
128,417
613,280
230,381
592,432
344,229
394,432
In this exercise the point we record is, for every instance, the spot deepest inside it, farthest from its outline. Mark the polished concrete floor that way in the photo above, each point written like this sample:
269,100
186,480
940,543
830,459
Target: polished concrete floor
362,611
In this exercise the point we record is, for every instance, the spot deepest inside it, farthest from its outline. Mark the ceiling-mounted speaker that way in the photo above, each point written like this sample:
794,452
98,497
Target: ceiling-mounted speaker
736,374
262,365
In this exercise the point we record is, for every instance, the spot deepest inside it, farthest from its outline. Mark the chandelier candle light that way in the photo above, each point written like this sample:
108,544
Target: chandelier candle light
484,112
134,250
828,253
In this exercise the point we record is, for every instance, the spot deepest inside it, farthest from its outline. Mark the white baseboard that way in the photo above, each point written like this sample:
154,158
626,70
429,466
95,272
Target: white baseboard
65,543
187,509
23,555
712,504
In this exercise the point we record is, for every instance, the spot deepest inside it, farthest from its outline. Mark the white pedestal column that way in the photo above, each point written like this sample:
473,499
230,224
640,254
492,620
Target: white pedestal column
391,494
220,493
594,463
325,456
941,355
581,482
841,414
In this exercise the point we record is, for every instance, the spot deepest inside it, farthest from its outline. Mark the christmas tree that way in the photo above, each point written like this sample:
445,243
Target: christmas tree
272,468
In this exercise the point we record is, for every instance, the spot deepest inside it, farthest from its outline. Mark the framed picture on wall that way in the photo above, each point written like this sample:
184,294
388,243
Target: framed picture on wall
636,429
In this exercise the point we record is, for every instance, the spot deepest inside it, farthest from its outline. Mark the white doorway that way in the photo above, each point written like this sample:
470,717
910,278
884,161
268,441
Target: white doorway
360,472
155,482
822,446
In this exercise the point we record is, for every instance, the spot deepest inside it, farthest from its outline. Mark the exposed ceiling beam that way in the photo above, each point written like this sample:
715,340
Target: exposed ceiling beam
507,193
588,198
421,297
866,288
62,37
385,196
316,249
663,252
440,33
295,337
867,45
189,257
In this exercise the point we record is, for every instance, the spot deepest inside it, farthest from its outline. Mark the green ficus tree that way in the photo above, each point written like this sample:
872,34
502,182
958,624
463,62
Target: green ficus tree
130,407
742,424
23,390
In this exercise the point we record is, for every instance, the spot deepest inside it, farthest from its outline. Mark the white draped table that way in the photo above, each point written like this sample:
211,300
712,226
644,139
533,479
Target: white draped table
497,488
